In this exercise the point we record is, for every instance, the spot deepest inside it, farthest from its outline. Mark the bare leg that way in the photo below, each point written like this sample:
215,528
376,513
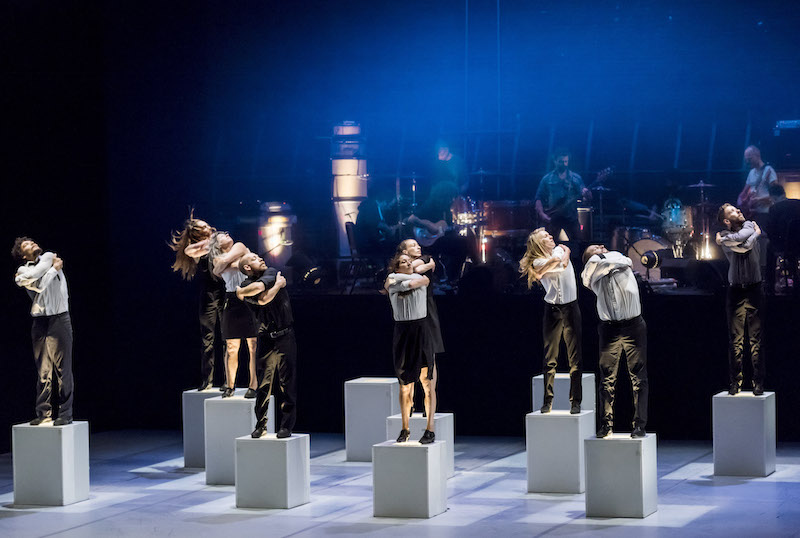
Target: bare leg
405,403
232,364
429,386
251,344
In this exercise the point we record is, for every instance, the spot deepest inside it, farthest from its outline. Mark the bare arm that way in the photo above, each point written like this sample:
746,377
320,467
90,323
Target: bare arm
226,260
269,295
197,250
420,267
250,290
540,211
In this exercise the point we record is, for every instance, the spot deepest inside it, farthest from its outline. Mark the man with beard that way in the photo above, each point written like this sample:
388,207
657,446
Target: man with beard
265,291
557,198
745,299
43,276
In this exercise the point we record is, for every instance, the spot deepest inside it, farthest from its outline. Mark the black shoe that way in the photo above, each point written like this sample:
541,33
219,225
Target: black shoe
734,389
758,389
223,388
283,433
62,421
228,393
638,431
403,437
604,431
575,409
427,438
39,420
204,386
251,393
546,408
260,430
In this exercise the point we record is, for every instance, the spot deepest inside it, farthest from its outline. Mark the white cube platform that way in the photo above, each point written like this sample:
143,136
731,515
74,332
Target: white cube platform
194,437
444,427
561,392
367,403
225,420
272,472
407,479
51,464
621,476
554,444
744,434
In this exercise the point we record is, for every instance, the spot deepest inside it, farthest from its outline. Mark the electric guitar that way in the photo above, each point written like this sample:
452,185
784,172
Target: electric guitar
422,233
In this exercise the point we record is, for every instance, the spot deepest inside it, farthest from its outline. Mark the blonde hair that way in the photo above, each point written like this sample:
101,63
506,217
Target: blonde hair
535,249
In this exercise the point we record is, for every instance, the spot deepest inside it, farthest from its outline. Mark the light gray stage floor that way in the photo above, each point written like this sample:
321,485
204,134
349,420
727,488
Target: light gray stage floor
139,488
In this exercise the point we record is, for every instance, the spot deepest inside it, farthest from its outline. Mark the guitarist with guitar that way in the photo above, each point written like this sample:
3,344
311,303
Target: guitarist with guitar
557,198
754,200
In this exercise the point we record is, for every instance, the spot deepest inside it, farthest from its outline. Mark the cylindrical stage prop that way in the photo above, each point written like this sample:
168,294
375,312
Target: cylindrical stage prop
275,232
349,171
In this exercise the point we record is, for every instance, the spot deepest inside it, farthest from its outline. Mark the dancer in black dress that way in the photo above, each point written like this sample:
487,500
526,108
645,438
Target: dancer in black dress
191,258
412,347
238,321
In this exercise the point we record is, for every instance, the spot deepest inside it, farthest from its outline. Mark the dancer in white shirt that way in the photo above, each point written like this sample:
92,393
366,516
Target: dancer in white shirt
550,265
622,329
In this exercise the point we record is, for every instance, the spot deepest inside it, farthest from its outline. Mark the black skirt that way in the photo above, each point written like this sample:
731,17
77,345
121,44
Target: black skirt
412,350
238,320
432,319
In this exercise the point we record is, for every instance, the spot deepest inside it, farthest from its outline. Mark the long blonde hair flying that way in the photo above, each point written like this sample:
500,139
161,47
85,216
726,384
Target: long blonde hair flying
535,249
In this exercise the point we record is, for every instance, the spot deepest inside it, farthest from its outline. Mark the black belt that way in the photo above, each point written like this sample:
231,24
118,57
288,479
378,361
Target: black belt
624,322
279,333
746,286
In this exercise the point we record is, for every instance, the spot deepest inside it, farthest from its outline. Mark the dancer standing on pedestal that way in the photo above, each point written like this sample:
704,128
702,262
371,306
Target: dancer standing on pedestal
550,264
745,298
43,276
412,348
238,321
265,291
622,330
191,257
425,266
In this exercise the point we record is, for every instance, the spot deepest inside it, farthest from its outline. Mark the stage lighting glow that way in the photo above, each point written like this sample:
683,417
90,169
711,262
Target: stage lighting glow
275,232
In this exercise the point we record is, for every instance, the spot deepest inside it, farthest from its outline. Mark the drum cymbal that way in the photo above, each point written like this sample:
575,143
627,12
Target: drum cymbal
600,188
482,172
700,185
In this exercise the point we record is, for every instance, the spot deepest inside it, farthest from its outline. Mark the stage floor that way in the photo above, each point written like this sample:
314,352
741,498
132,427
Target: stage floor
140,488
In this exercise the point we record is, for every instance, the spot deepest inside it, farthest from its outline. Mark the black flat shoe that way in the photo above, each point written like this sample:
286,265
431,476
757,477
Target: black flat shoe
758,389
638,431
40,420
604,431
60,421
223,388
403,437
575,409
734,389
204,386
283,433
546,408
228,393
427,438
250,394
260,430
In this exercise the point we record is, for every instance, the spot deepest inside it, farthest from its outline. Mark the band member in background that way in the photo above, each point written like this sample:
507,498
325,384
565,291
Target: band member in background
550,264
782,223
412,349
42,275
191,257
622,330
449,167
745,298
557,198
374,235
754,199
265,290
238,322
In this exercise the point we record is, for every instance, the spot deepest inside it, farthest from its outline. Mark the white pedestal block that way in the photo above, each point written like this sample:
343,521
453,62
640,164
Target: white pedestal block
367,403
744,434
554,443
194,437
225,420
272,472
621,476
51,464
561,392
407,479
444,427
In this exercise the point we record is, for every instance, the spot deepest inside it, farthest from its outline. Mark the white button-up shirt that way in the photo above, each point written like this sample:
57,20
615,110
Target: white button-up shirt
559,282
611,278
46,286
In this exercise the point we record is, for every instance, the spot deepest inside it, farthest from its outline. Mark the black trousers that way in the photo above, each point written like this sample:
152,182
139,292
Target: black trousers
52,351
744,325
277,362
212,300
562,321
628,337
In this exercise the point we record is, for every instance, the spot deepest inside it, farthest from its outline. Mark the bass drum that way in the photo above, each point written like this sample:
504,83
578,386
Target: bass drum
625,236
638,248
509,218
